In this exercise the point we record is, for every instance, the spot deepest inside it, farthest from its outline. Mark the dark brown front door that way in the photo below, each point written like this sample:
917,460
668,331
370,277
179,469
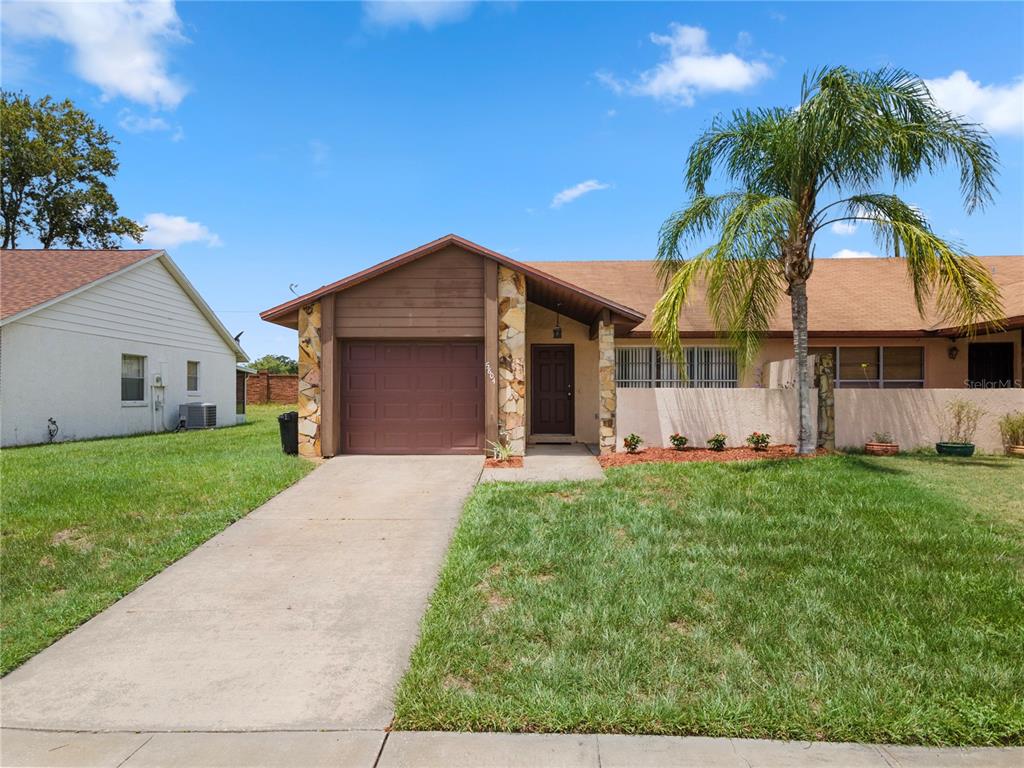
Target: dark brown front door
551,389
412,397
990,364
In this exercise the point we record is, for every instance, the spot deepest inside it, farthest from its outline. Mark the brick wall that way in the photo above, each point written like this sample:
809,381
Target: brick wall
265,387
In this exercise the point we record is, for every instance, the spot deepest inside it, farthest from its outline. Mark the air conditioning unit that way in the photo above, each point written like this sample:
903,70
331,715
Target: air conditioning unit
197,416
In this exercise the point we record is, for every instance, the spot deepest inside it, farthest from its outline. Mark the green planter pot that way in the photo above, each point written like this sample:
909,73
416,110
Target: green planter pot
954,449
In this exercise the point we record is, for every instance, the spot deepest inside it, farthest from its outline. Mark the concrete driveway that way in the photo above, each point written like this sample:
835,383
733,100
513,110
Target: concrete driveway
301,616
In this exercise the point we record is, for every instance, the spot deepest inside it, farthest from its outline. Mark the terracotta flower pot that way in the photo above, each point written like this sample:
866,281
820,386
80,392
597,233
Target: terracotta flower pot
1015,450
881,449
954,449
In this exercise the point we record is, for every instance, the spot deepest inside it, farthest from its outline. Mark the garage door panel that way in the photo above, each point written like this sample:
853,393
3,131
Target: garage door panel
412,397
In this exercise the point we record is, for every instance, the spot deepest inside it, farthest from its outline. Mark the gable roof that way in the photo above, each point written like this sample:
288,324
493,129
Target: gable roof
32,279
846,297
542,288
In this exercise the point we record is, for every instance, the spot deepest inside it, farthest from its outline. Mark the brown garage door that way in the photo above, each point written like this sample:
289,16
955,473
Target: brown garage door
412,397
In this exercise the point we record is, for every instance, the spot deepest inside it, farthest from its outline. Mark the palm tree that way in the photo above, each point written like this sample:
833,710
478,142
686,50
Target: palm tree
798,170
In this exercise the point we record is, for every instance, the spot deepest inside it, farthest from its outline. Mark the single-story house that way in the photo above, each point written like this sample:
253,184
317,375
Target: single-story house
451,345
96,343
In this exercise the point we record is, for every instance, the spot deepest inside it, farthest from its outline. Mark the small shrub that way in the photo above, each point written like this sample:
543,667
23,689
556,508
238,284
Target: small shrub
960,421
678,441
632,442
500,451
1011,428
882,437
758,440
717,442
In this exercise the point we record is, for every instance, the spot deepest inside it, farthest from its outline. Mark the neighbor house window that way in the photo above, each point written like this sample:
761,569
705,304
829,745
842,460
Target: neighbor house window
876,367
133,378
192,376
649,367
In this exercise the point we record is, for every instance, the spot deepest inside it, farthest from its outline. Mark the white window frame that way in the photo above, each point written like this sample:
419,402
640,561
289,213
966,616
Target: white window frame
650,368
188,388
145,364
881,381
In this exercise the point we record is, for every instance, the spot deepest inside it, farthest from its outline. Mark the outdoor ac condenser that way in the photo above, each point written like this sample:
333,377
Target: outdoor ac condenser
197,416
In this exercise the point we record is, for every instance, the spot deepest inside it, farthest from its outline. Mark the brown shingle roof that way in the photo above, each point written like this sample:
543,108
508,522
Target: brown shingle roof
844,295
32,277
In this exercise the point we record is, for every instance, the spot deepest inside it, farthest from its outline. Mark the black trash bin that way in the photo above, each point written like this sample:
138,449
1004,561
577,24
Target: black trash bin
289,424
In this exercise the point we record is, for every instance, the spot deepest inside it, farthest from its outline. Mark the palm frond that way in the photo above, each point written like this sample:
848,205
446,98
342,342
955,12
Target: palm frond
940,271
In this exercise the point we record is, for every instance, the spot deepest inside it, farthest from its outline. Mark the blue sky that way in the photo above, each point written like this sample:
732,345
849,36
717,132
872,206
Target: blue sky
270,144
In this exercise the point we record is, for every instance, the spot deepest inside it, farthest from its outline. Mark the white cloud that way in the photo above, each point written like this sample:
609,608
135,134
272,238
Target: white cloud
570,194
844,228
139,124
319,154
427,13
1000,108
119,46
846,253
690,68
166,231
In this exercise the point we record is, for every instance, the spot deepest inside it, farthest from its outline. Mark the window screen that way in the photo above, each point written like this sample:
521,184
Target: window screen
133,378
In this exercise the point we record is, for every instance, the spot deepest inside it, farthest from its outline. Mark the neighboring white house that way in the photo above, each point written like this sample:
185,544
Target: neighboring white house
105,343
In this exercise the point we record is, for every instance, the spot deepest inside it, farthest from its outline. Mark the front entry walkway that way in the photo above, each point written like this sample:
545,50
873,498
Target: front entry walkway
300,616
549,463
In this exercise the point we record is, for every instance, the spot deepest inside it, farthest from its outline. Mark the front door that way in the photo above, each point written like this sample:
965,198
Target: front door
551,389
990,365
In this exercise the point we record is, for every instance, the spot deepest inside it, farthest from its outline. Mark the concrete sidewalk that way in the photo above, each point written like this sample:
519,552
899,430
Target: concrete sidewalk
300,616
375,749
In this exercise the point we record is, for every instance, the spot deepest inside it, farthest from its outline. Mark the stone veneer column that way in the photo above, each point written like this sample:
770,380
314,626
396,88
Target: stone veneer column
512,359
309,380
606,384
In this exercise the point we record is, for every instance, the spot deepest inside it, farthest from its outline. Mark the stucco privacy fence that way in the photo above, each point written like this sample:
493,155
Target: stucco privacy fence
911,416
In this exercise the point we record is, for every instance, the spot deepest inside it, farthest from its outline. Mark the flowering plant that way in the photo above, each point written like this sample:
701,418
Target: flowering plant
717,442
759,440
632,442
678,441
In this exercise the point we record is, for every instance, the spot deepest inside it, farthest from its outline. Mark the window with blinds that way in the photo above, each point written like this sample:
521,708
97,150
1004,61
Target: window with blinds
876,367
133,378
649,367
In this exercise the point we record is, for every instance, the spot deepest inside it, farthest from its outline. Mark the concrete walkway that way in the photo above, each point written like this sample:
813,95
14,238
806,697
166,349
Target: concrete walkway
375,749
300,616
547,463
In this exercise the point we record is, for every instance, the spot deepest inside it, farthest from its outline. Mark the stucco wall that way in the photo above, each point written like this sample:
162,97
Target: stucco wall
654,414
76,379
911,415
539,322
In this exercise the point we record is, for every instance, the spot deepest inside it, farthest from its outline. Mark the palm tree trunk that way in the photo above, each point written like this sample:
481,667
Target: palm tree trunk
798,299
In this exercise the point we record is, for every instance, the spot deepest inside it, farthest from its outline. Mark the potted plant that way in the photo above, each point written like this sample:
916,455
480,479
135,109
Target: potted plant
1011,428
678,441
631,442
717,442
881,444
958,425
759,440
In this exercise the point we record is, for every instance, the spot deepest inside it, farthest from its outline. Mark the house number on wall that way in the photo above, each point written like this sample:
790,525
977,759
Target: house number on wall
490,373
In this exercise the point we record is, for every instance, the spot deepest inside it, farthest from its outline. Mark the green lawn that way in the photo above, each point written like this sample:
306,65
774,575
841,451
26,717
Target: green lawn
86,523
839,598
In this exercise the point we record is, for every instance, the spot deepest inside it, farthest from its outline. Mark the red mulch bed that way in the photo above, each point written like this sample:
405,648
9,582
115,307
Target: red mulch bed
516,462
622,459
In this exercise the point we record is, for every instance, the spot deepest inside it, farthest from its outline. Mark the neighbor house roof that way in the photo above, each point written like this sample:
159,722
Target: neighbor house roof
31,280
542,288
845,297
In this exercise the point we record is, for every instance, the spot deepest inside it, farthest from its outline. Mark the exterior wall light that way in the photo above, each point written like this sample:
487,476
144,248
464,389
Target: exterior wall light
953,352
556,332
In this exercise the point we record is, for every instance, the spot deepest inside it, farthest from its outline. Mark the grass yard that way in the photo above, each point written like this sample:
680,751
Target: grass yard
85,523
842,598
